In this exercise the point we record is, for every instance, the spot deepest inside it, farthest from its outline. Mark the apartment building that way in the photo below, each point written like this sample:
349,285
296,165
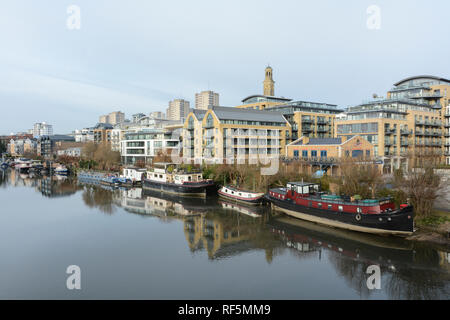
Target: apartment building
42,129
224,134
48,146
102,133
309,119
409,122
84,135
447,134
113,118
144,145
178,110
20,147
157,115
206,99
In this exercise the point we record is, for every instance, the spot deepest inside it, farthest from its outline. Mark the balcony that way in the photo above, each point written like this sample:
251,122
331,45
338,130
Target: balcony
307,129
387,143
419,122
307,120
405,132
322,122
419,133
319,129
390,130
423,95
404,143
435,123
447,125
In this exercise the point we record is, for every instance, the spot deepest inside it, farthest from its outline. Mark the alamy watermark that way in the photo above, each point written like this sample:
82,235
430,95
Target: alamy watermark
374,280
374,19
73,282
73,21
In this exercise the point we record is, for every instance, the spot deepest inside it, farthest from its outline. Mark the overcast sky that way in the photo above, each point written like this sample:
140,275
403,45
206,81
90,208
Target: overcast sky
136,55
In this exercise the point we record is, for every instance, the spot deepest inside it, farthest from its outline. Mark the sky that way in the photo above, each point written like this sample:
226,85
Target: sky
137,55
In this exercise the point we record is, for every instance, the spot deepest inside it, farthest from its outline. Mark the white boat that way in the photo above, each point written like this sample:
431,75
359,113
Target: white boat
236,194
61,170
23,165
132,175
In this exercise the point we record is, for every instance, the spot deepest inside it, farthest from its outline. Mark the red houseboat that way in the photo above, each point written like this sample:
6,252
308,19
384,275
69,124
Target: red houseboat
306,201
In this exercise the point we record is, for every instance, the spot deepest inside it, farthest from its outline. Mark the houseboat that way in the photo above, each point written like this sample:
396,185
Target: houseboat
132,176
306,201
23,165
166,177
239,195
98,178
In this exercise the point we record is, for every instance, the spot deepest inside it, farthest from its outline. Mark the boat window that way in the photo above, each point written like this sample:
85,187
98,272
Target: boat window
240,194
330,207
160,176
319,205
358,210
341,208
305,189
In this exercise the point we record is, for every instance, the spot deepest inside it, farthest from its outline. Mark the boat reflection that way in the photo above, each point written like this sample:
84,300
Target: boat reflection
223,230
409,270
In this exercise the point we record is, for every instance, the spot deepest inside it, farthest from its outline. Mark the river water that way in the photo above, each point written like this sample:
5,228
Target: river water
131,244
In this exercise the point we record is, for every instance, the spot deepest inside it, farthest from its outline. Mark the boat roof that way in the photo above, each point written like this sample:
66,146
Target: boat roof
301,183
240,190
279,190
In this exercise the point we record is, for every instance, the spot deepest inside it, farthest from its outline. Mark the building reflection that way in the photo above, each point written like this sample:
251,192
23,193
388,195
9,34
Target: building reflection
225,229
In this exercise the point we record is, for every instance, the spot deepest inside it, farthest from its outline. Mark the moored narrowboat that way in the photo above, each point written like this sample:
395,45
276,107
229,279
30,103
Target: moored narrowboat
239,195
168,178
378,216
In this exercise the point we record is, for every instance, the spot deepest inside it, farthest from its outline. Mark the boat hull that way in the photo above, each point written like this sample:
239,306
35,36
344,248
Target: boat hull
399,223
191,189
256,201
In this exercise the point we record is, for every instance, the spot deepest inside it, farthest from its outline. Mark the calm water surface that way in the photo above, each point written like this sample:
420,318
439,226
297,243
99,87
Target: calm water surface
132,244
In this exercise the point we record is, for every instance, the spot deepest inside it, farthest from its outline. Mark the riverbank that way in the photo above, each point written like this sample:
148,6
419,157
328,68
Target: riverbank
434,230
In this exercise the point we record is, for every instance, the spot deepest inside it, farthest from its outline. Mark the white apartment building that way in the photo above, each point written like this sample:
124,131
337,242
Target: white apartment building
206,99
144,145
42,129
84,135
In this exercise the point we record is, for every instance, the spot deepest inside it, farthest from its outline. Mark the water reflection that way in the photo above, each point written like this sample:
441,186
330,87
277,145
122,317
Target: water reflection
226,230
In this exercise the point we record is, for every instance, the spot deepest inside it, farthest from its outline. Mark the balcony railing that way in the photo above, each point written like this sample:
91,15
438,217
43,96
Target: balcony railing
389,130
405,132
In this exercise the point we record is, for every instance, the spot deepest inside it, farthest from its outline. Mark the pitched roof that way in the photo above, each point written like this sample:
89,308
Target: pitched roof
230,113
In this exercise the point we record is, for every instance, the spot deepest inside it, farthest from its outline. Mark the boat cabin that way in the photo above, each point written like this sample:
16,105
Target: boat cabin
310,195
169,173
134,174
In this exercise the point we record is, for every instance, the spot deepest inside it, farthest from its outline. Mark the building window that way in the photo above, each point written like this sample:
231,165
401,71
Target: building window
295,153
305,153
323,153
367,153
313,153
